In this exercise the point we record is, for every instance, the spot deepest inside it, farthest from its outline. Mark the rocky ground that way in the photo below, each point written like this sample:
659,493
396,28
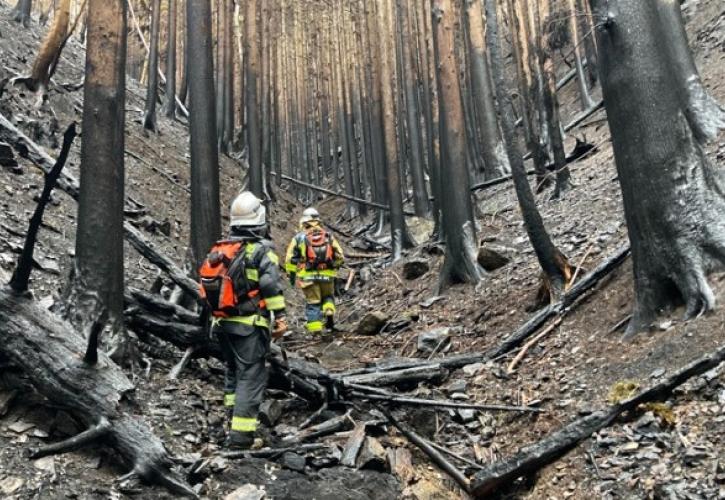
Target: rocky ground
674,451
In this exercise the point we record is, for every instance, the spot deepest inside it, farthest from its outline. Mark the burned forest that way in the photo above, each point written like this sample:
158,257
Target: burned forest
362,249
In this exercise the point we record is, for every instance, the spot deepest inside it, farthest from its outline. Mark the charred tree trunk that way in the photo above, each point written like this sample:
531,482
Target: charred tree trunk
420,190
95,293
170,105
674,199
184,89
50,49
21,12
492,148
149,121
590,44
556,269
229,80
251,57
205,216
574,22
388,81
460,263
550,99
705,115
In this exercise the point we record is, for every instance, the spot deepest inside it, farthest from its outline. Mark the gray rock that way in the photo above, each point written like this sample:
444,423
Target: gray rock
491,260
457,385
473,369
372,323
415,268
435,339
269,412
465,415
293,461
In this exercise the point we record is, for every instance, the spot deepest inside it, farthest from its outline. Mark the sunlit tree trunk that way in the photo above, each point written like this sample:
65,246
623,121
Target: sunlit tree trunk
574,22
251,56
50,49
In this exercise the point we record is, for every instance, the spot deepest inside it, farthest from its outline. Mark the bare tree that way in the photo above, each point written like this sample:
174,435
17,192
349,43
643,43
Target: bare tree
95,292
149,121
492,147
674,200
50,49
170,105
460,263
251,57
21,12
557,272
205,211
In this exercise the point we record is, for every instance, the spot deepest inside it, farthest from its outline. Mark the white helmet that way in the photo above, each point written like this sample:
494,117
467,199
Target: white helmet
309,215
247,211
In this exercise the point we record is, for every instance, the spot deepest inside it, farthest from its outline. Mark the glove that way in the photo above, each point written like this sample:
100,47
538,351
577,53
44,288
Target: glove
292,278
280,327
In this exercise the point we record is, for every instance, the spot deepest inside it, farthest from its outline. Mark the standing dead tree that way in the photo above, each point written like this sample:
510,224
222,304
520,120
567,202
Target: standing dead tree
21,12
674,199
557,272
50,49
95,292
460,263
149,121
205,209
170,104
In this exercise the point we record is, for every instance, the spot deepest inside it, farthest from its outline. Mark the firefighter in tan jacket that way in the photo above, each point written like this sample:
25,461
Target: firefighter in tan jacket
314,257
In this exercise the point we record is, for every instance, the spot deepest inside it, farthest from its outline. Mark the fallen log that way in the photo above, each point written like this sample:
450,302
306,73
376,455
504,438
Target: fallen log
400,400
274,452
50,353
353,445
429,372
432,453
534,457
337,424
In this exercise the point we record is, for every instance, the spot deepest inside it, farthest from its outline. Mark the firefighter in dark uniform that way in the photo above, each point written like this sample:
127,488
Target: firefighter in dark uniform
240,281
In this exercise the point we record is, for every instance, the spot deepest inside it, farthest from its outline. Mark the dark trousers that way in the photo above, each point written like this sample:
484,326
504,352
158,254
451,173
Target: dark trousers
245,379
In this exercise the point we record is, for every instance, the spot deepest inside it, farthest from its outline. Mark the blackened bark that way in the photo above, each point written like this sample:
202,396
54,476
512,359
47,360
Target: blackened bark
705,114
460,263
388,80
149,121
21,12
251,58
492,148
205,215
170,105
590,45
551,260
674,199
95,292
420,190
221,70
229,81
184,88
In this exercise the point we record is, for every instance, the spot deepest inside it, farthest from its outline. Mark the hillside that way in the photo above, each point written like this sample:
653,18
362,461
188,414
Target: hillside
676,451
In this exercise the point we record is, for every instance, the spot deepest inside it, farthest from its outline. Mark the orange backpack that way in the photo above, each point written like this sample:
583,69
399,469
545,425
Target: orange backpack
223,267
320,252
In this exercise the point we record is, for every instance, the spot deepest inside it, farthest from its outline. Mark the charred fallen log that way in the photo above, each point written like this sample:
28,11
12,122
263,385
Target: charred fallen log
546,451
50,353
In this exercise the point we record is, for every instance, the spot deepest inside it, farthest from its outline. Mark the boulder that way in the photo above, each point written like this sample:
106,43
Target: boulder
435,339
293,461
490,259
372,323
373,456
415,268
